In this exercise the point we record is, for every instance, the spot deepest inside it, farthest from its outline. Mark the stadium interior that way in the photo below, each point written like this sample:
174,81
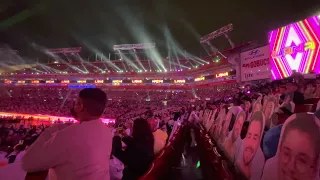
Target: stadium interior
233,114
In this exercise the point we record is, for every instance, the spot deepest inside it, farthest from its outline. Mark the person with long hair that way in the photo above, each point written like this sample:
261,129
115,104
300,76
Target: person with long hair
139,152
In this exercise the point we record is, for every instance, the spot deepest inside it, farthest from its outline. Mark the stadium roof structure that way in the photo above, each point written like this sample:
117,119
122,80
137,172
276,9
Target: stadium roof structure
132,62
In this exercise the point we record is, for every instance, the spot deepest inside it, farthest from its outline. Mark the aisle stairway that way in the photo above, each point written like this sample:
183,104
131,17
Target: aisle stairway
189,168
180,161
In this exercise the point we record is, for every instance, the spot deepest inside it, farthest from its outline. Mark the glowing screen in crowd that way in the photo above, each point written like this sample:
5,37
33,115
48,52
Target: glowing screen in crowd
199,79
295,47
81,81
225,74
116,82
35,82
7,81
98,81
81,86
181,81
49,81
157,81
136,81
21,82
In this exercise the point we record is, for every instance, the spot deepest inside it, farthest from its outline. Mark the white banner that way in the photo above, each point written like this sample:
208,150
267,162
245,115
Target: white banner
134,46
255,64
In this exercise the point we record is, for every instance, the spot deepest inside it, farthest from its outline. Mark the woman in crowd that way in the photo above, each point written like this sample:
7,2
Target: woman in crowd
139,151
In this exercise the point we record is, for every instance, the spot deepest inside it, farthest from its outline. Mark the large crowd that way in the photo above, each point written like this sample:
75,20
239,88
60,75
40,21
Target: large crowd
57,101
133,108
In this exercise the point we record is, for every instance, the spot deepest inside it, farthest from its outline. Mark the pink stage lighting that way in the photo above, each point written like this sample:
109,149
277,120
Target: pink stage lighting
295,47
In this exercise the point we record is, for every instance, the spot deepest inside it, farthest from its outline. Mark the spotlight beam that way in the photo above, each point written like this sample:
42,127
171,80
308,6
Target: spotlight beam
133,47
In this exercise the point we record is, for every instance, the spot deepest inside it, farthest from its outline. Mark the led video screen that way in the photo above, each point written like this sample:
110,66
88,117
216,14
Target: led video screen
295,47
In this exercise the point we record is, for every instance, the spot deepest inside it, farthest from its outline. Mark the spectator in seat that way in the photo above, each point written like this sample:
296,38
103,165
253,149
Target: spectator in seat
292,88
160,137
282,92
77,151
139,152
309,91
317,92
271,141
129,126
116,166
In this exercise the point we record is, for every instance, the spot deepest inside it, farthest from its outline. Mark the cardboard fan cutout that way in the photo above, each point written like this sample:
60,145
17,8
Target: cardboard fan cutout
228,124
205,116
248,109
211,120
250,158
224,131
268,110
298,150
257,106
233,142
201,115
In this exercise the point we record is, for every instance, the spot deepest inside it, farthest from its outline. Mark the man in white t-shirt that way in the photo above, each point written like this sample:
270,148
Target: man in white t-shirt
79,151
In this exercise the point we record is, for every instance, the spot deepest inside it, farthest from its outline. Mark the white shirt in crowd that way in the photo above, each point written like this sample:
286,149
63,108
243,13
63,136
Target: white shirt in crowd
78,151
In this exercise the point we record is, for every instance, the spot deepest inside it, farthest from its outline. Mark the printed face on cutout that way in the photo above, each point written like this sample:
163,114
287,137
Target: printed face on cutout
238,126
257,107
225,126
269,109
251,141
297,158
247,105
